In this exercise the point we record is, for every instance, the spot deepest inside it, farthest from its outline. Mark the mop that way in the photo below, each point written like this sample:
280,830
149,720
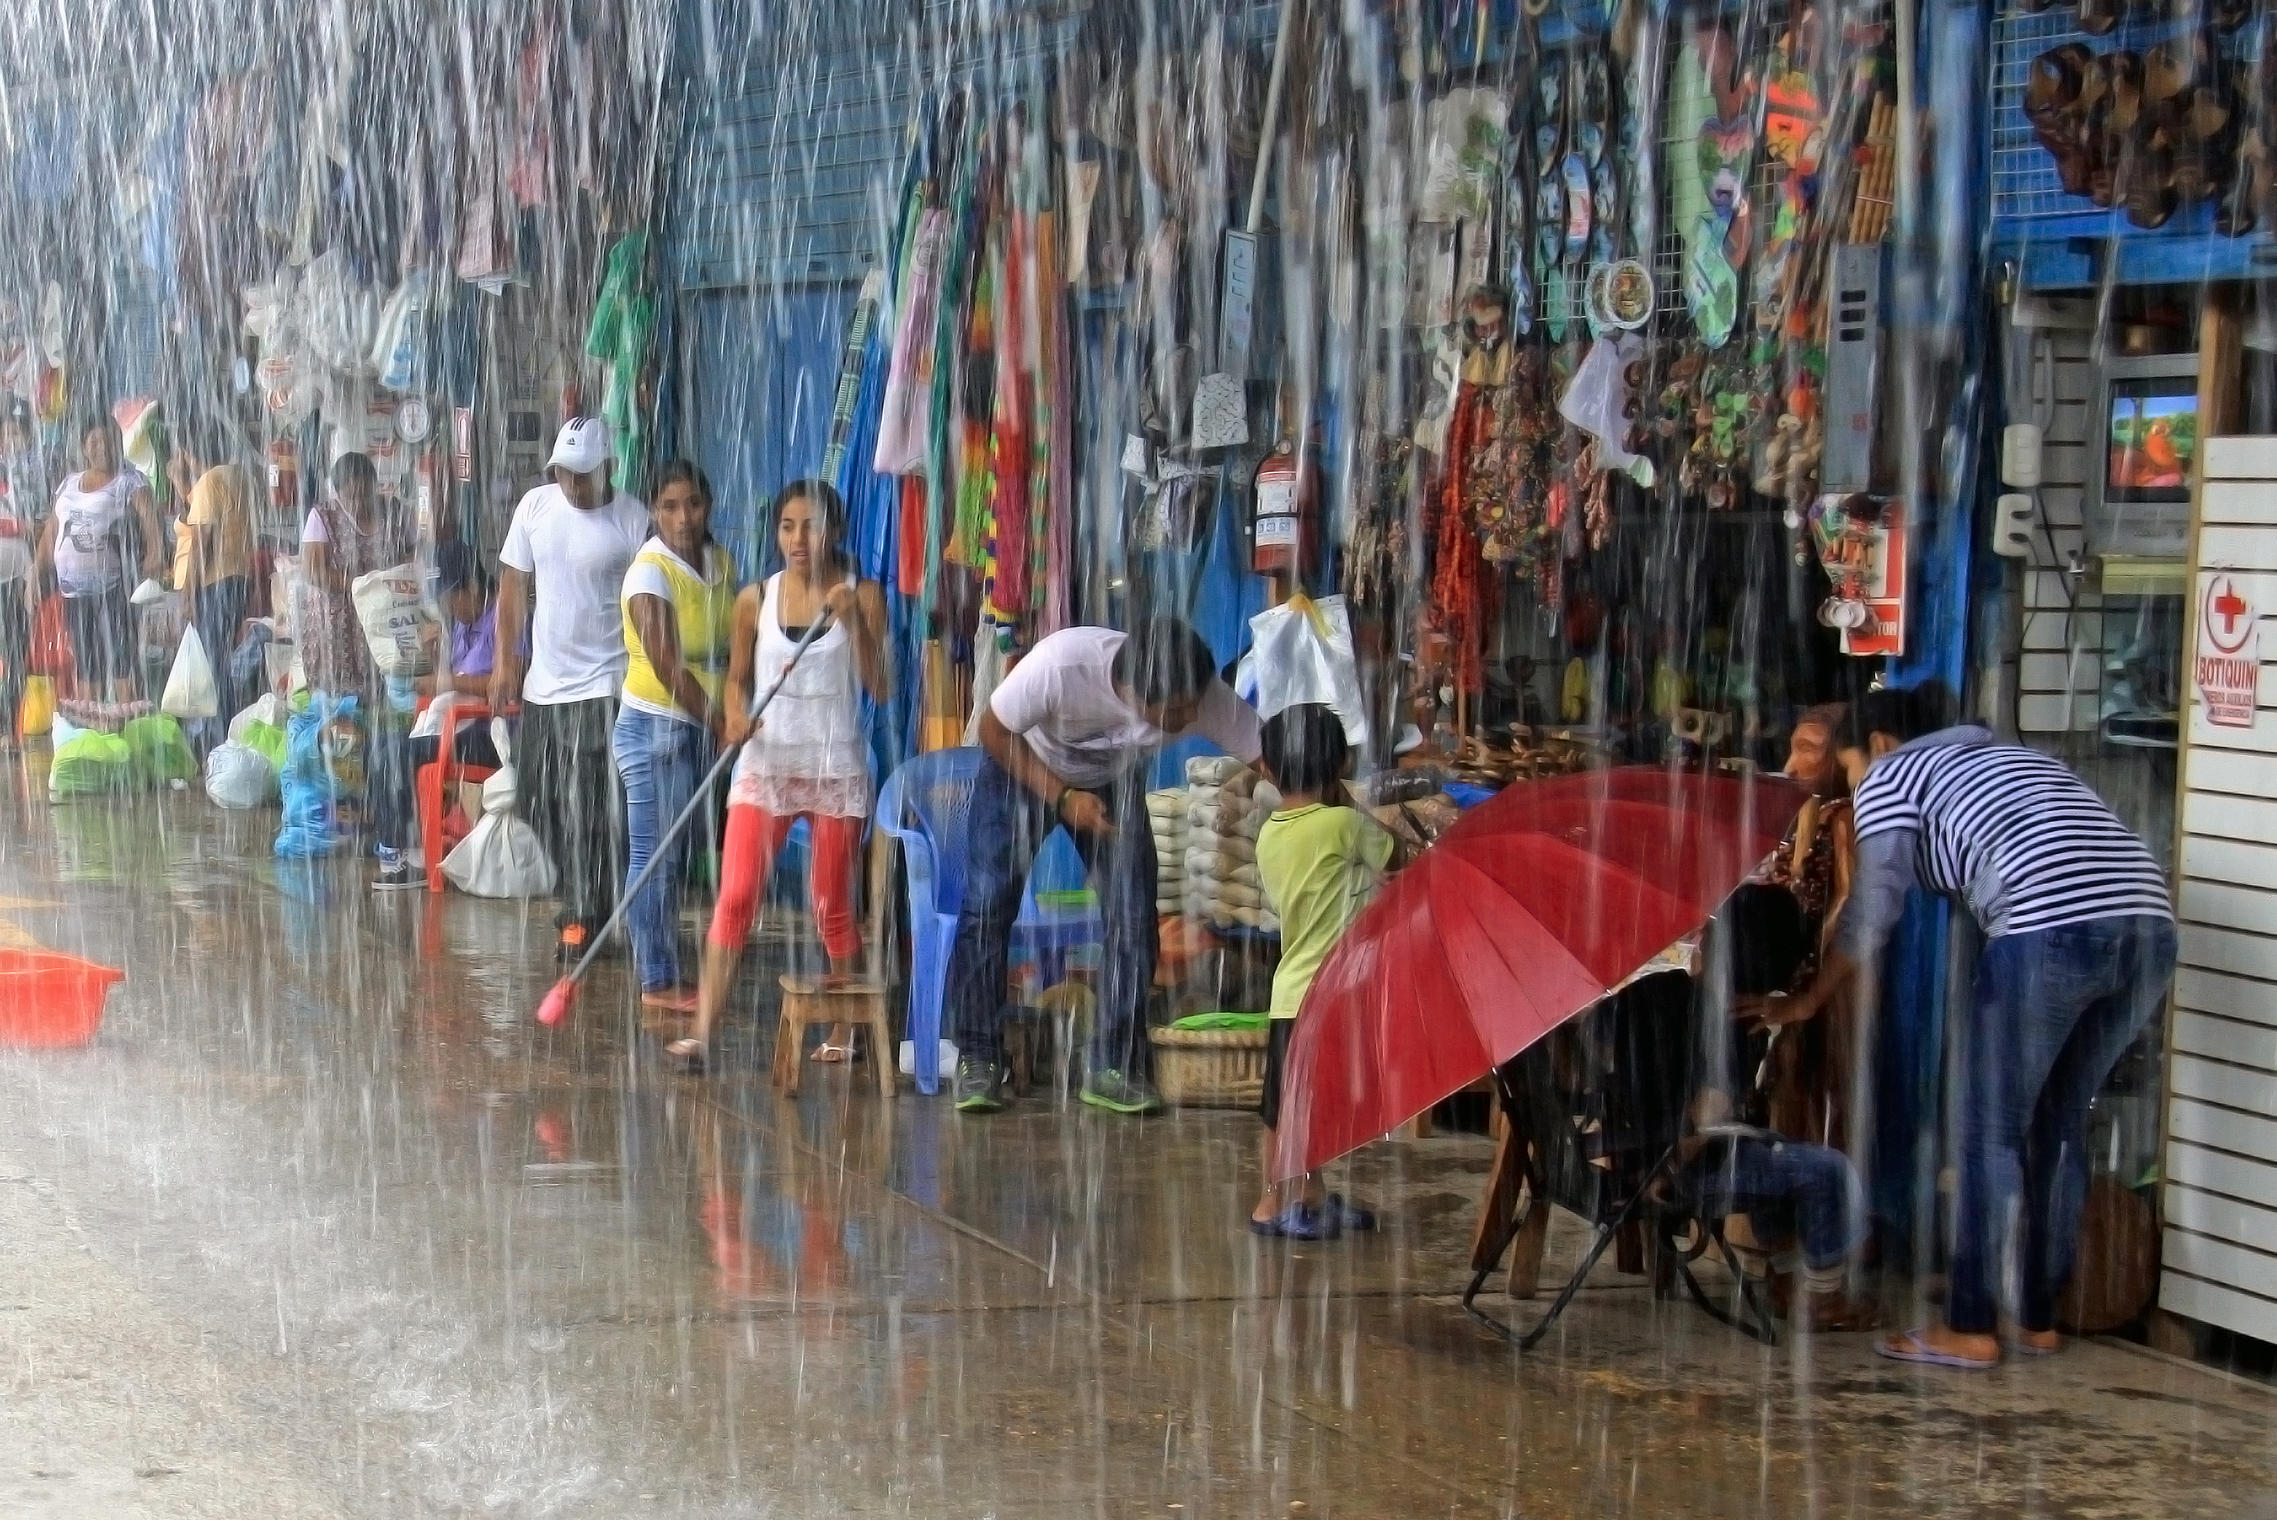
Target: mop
557,1003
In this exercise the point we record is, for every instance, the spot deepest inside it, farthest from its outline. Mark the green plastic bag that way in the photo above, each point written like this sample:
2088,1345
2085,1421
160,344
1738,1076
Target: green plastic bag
88,763
269,739
1202,1022
159,752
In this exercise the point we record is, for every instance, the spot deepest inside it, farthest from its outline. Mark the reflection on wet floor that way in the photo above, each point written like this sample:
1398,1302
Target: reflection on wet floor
459,1263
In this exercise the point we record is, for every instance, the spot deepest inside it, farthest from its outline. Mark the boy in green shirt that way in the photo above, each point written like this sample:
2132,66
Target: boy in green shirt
1320,859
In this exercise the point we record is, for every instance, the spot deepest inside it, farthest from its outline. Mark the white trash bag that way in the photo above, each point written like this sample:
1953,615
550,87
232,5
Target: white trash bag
1301,651
392,607
190,688
501,856
239,776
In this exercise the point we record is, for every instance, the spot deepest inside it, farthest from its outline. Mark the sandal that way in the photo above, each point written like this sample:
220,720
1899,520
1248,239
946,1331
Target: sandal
1913,1346
687,1056
681,999
829,1053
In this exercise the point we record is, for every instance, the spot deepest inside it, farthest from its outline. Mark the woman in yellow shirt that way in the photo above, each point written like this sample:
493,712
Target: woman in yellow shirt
678,598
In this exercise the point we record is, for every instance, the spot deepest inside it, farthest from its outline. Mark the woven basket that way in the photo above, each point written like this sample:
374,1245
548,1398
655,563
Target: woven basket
1209,1068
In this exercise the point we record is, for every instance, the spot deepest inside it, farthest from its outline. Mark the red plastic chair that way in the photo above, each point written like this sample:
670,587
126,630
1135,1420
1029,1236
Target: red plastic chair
432,788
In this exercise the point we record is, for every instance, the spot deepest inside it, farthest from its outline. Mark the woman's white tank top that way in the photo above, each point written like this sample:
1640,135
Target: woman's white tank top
808,754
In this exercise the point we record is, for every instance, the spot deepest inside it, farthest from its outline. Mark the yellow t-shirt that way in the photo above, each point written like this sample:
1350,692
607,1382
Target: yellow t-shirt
704,607
221,514
1320,865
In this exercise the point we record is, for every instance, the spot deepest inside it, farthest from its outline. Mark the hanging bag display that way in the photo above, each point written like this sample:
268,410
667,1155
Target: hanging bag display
190,688
1301,651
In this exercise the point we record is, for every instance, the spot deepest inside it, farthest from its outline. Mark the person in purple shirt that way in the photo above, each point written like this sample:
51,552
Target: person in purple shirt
470,612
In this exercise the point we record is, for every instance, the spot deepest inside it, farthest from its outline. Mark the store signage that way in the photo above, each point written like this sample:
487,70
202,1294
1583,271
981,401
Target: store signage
2227,666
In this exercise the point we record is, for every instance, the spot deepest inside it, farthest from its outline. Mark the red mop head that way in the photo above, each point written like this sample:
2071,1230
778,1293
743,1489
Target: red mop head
555,1008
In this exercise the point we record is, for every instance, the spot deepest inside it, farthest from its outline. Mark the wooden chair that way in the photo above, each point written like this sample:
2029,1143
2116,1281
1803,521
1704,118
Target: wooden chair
807,1002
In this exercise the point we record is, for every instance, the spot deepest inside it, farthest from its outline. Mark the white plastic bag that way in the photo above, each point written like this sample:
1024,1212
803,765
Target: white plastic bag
395,618
1301,651
501,856
190,688
269,709
239,776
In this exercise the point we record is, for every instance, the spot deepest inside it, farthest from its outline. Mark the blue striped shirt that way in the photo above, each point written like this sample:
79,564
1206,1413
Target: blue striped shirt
2008,830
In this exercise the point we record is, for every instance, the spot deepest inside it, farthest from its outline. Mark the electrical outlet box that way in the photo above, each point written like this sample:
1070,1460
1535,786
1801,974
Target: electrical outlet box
1853,370
2012,526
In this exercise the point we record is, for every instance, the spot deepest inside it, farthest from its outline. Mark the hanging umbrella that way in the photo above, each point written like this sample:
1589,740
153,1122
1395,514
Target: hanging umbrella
1528,911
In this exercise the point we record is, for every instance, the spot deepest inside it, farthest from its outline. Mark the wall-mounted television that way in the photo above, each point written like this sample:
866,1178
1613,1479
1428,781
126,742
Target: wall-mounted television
2145,429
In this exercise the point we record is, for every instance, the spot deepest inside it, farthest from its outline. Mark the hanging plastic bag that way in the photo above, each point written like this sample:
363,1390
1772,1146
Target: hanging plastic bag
1596,401
158,754
36,713
239,776
397,350
1301,651
401,631
190,688
501,856
88,763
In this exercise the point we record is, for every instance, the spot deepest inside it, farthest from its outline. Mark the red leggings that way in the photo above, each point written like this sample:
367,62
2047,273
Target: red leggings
754,838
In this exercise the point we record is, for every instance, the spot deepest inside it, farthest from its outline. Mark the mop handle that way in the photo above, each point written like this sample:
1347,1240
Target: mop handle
657,853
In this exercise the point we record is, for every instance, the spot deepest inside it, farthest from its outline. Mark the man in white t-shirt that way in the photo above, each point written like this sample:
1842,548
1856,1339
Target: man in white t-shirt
570,543
1070,734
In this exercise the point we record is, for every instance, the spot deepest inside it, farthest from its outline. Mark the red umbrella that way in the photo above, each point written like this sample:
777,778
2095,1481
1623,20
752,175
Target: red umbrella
1529,910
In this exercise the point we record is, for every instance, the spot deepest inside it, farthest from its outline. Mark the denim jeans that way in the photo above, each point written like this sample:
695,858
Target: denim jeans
1006,826
2052,1012
661,761
1788,1186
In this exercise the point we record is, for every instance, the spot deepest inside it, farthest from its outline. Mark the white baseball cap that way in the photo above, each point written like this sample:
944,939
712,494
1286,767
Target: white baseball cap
582,446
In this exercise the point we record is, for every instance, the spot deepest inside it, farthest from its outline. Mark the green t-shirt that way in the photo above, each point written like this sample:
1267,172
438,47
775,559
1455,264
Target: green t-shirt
1320,865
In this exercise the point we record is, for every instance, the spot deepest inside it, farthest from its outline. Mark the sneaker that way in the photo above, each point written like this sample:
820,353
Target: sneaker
980,1087
1120,1093
397,876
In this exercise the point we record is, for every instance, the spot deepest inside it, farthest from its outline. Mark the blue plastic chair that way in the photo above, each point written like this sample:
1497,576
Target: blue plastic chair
924,806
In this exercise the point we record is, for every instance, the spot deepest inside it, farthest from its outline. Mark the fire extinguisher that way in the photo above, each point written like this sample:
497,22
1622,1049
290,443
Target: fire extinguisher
1287,521
284,476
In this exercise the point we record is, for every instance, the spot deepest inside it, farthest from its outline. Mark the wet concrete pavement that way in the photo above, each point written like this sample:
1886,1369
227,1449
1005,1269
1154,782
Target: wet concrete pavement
324,1224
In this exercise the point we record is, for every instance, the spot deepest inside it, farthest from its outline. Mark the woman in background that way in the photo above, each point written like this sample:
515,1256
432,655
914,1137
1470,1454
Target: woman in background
678,598
103,528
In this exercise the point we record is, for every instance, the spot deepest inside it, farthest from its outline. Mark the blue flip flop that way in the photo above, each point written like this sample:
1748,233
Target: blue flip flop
1909,1346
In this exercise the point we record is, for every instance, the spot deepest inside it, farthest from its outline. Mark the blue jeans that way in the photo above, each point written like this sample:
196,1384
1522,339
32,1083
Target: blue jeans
1007,824
2052,1013
661,761
1788,1187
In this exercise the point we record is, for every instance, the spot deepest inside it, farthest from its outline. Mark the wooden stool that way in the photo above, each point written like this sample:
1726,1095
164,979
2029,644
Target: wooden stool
806,1002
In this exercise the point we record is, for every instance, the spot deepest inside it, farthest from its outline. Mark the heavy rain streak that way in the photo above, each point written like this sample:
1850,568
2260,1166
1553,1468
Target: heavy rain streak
1313,759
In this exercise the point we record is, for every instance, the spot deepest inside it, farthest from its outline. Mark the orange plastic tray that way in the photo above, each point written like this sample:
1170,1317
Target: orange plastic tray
50,1000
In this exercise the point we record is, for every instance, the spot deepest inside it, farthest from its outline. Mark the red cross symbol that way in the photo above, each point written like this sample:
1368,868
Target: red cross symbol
2227,608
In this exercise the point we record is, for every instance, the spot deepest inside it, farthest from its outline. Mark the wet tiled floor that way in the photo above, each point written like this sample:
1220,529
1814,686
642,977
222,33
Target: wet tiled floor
329,1225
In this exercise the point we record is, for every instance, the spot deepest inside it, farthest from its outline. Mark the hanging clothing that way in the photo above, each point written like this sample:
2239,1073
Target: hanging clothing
809,754
623,331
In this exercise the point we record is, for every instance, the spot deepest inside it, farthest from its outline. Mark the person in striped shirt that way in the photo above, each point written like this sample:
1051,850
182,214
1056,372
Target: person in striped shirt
2079,948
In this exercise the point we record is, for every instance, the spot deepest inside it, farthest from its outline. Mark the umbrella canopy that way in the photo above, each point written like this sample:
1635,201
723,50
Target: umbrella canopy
1529,910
